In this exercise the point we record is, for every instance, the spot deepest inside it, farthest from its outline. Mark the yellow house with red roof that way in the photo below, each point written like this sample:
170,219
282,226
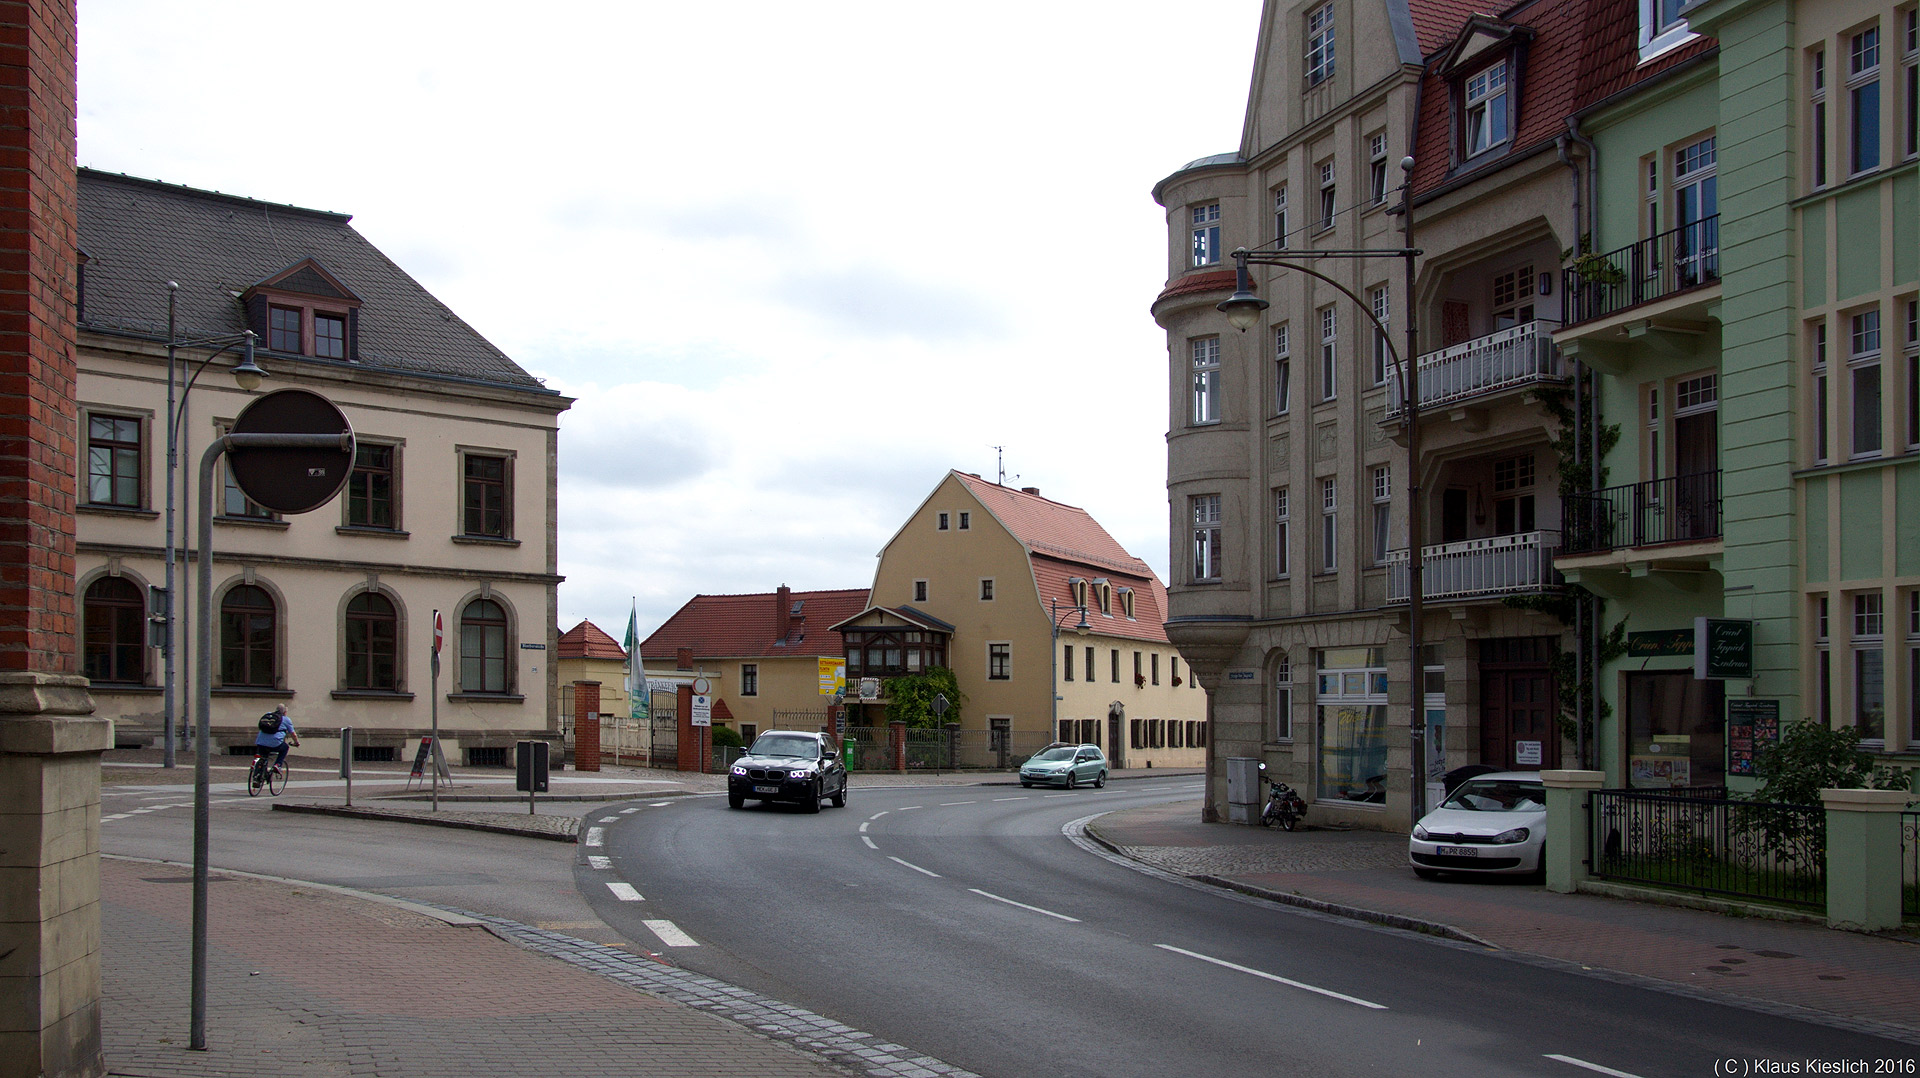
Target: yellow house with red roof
588,653
981,578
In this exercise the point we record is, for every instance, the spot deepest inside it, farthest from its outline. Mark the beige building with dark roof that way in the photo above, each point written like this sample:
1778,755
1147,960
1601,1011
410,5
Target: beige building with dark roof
450,506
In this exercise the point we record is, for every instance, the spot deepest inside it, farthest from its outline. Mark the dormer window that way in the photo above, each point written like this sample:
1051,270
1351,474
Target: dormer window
1126,603
1486,111
1662,28
305,311
1077,587
1103,594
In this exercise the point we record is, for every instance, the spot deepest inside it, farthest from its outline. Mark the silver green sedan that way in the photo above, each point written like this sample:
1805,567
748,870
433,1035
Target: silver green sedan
1065,765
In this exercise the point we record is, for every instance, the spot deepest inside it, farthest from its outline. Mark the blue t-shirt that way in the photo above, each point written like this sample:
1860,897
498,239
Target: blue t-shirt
278,737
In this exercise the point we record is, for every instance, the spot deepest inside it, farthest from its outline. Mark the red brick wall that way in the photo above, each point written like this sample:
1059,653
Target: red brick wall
38,240
586,726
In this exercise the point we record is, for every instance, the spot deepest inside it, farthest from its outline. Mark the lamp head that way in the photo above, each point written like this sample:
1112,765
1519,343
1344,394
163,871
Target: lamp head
1083,628
246,373
1242,309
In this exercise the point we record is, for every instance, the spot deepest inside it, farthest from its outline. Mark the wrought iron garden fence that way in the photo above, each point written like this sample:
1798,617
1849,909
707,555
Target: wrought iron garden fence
1713,845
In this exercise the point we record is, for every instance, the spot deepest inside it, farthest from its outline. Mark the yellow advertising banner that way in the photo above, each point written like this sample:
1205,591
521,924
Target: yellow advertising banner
833,676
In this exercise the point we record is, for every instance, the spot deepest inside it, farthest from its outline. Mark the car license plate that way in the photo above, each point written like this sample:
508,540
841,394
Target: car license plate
1457,851
766,789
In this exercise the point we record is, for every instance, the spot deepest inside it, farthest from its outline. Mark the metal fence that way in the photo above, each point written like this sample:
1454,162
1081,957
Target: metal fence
1677,509
1910,864
1680,839
1673,261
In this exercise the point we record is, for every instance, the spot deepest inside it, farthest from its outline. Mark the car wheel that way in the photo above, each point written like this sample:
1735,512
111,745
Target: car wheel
1427,873
1025,785
735,801
1072,780
840,796
813,802
1100,781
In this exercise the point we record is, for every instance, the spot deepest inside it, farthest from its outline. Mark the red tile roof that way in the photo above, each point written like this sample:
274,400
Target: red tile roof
1582,51
587,641
1210,281
1064,541
1435,22
747,626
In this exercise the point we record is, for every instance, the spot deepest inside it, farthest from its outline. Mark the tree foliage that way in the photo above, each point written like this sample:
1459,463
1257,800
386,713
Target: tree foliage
910,697
727,737
1810,757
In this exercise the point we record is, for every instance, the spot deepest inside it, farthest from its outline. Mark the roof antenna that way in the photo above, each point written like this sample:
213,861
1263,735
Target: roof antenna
1000,464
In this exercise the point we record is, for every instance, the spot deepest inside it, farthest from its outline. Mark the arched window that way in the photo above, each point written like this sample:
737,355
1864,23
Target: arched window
248,634
115,619
372,643
483,647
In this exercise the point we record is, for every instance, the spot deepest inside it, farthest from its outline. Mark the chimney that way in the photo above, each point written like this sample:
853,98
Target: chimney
683,658
783,612
1035,491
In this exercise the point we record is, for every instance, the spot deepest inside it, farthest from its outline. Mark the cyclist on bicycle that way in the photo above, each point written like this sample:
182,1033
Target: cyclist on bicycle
278,737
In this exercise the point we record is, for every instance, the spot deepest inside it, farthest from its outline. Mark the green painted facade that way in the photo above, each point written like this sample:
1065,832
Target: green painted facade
1798,526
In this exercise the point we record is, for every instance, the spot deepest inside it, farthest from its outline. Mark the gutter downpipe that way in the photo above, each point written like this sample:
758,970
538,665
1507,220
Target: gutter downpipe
1579,423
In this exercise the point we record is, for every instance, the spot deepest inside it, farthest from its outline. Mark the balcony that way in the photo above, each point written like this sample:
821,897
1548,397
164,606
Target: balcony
1514,357
1672,262
1475,568
1678,509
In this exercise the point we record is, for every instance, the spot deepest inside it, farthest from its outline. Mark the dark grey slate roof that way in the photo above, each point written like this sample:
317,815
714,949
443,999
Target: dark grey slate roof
139,234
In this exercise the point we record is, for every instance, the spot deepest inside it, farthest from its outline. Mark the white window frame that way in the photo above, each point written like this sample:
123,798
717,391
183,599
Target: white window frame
1206,234
1282,369
1863,362
749,679
1488,116
1910,82
1381,302
1377,168
1280,217
1382,512
1204,510
1329,196
1322,49
1282,533
1819,115
1863,75
1869,638
1329,352
1821,391
1280,703
1205,352
1657,37
1912,364
1329,526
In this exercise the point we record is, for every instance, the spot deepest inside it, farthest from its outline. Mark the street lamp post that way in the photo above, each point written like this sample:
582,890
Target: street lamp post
1243,310
1056,614
247,375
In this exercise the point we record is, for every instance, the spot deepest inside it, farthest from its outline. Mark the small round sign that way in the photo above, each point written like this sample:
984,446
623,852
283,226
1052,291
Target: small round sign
288,480
702,687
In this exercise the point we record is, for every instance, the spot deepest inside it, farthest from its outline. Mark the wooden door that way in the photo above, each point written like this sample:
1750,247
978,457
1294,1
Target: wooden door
1517,727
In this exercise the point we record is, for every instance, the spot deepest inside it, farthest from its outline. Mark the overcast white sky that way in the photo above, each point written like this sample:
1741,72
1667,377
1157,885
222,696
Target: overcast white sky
795,260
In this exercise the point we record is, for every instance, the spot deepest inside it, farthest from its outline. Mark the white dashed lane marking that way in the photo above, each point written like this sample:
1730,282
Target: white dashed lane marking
624,892
670,933
1594,1067
1023,797
1022,905
629,812
913,866
598,862
869,842
950,804
596,836
609,819
864,824
659,804
1263,975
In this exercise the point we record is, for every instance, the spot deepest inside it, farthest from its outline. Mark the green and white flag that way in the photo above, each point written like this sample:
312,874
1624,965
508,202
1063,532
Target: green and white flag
637,695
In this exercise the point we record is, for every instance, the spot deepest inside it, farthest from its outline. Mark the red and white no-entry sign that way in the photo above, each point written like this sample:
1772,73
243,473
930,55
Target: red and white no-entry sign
439,632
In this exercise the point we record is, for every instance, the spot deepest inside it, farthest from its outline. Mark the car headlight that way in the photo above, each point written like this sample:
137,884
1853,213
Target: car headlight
1421,833
1518,834
807,773
738,770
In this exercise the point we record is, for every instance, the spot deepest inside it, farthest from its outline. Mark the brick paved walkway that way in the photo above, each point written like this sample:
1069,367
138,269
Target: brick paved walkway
1849,977
304,981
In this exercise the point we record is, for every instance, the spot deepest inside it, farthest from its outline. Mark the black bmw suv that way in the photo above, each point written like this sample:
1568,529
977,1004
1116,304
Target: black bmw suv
786,765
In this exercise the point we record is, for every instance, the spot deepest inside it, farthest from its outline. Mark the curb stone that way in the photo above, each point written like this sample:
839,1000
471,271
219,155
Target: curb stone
560,829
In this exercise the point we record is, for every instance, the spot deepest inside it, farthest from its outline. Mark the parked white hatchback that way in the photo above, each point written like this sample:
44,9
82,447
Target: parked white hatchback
1495,823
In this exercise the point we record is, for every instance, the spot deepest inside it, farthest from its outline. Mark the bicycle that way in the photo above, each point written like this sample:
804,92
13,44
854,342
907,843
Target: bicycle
263,773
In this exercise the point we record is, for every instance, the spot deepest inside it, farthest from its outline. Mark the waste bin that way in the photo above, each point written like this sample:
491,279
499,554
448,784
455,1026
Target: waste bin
1243,790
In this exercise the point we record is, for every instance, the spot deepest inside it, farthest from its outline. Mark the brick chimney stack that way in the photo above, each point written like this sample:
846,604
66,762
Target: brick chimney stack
783,612
1035,491
683,658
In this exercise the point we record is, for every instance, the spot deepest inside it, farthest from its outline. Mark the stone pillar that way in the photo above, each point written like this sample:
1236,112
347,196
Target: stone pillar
49,745
1863,858
586,726
1568,826
687,744
897,745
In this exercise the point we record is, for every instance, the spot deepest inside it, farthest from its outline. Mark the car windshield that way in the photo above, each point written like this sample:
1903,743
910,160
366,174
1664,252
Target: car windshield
786,745
1062,752
1498,795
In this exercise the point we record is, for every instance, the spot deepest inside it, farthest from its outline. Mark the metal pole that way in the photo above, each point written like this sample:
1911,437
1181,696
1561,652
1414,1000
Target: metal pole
433,700
203,703
1053,672
1416,519
167,649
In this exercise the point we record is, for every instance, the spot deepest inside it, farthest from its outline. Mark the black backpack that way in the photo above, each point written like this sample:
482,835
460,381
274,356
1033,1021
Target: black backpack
270,723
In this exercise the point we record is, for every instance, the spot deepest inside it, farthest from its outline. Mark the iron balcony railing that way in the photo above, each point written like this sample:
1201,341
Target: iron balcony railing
1673,261
1512,357
1679,509
1498,565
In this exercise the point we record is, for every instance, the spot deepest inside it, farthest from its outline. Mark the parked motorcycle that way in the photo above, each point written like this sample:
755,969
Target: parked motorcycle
1284,806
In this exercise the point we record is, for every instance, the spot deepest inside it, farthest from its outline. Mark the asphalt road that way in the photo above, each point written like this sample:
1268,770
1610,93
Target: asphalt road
962,922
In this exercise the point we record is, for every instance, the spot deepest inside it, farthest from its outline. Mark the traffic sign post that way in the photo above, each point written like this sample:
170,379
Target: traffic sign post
433,696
